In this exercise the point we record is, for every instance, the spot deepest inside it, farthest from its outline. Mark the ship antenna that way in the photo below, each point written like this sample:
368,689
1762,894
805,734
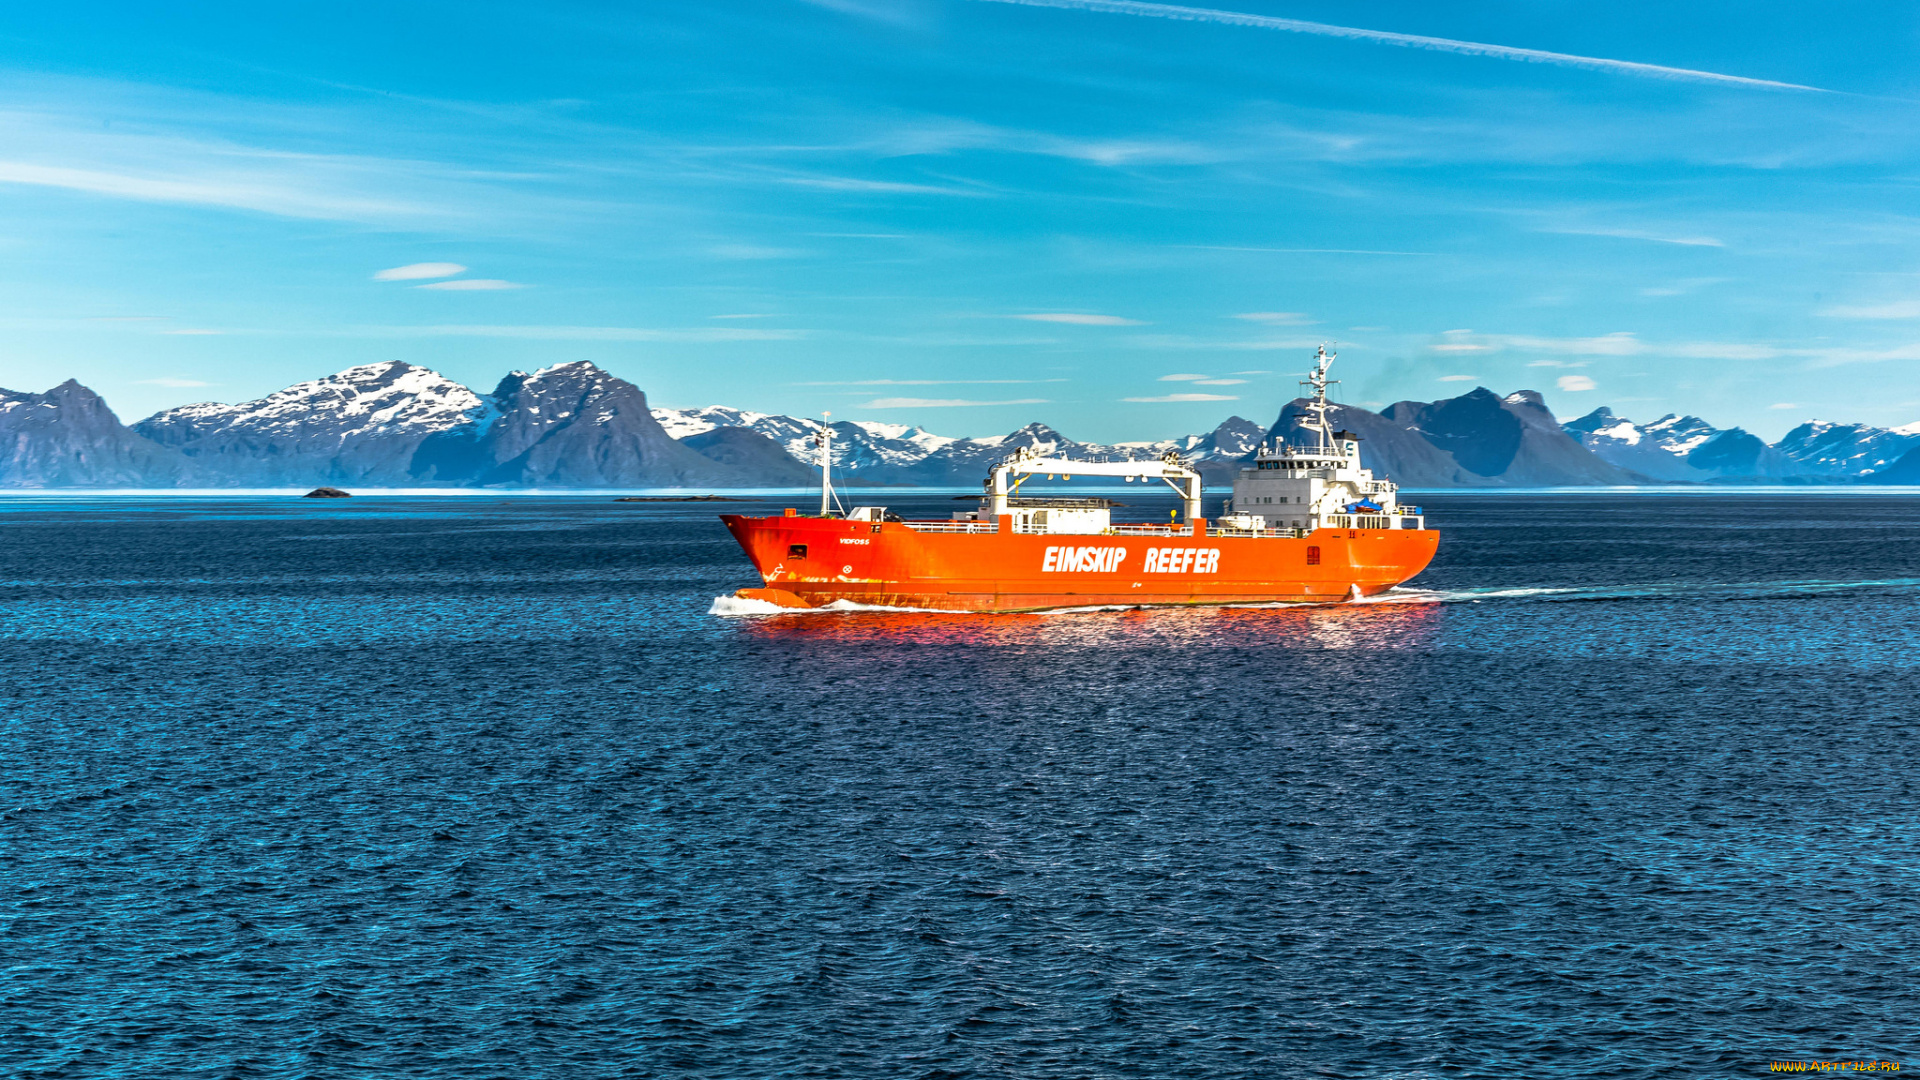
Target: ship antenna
824,440
1317,380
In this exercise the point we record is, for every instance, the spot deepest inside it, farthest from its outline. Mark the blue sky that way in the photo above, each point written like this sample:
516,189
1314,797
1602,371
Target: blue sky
1128,220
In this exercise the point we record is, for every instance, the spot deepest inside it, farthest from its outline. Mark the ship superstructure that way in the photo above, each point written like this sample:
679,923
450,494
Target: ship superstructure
1305,524
1318,484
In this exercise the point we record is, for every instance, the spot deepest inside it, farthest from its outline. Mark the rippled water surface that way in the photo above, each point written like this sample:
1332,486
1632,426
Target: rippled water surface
477,787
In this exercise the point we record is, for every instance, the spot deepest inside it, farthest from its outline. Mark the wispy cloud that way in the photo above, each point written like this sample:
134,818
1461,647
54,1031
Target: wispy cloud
1619,343
194,331
1898,309
1276,318
896,13
1189,343
1075,319
1625,344
942,403
1279,250
1642,234
1202,380
1166,399
1725,350
419,271
1458,378
177,384
472,285
1574,384
1679,288
881,187
696,334
755,315
1412,41
263,191
1834,357
934,382
1784,405
754,251
361,157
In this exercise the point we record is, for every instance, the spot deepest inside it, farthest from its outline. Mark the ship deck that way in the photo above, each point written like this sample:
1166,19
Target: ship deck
1335,521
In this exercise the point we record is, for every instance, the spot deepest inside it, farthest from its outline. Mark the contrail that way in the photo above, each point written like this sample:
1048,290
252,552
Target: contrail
1410,41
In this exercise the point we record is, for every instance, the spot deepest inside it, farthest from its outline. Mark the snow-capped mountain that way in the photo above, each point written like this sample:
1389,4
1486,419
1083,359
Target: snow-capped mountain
866,451
1687,448
576,425
362,425
859,446
683,423
1829,449
397,424
1657,451
1235,438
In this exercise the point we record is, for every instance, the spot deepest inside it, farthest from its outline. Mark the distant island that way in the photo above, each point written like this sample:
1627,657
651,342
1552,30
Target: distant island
575,425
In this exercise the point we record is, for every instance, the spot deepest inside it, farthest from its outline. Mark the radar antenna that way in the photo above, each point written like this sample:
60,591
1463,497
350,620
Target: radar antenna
824,440
1318,382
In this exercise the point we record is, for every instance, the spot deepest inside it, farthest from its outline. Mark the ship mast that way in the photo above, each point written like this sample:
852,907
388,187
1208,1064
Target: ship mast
824,440
1317,405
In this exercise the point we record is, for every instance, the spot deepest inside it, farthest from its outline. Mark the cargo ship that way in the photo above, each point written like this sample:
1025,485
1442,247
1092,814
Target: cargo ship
1305,524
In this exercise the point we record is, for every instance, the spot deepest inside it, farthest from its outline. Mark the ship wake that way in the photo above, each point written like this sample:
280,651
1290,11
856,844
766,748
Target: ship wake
736,607
1657,591
728,607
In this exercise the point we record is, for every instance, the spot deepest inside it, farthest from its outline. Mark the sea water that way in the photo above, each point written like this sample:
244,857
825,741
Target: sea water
481,787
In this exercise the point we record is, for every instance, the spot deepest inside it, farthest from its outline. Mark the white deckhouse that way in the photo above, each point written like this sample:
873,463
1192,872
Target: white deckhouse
1322,486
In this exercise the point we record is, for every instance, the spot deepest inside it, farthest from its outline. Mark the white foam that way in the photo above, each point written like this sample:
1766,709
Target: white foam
1397,595
1758,589
728,607
849,605
1089,609
735,606
1271,605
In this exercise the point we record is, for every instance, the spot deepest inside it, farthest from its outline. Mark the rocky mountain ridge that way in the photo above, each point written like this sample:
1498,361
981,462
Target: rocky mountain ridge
395,424
67,437
361,426
1687,449
867,452
1478,439
575,425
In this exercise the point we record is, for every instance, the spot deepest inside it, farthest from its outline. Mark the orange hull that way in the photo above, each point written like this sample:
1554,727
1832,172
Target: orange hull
808,562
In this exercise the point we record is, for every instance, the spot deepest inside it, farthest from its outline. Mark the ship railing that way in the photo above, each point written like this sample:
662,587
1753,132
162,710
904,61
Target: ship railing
1257,532
1333,521
1375,521
953,526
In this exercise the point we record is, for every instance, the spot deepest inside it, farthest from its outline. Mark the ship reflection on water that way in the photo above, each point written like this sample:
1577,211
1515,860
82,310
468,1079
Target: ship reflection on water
1385,626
